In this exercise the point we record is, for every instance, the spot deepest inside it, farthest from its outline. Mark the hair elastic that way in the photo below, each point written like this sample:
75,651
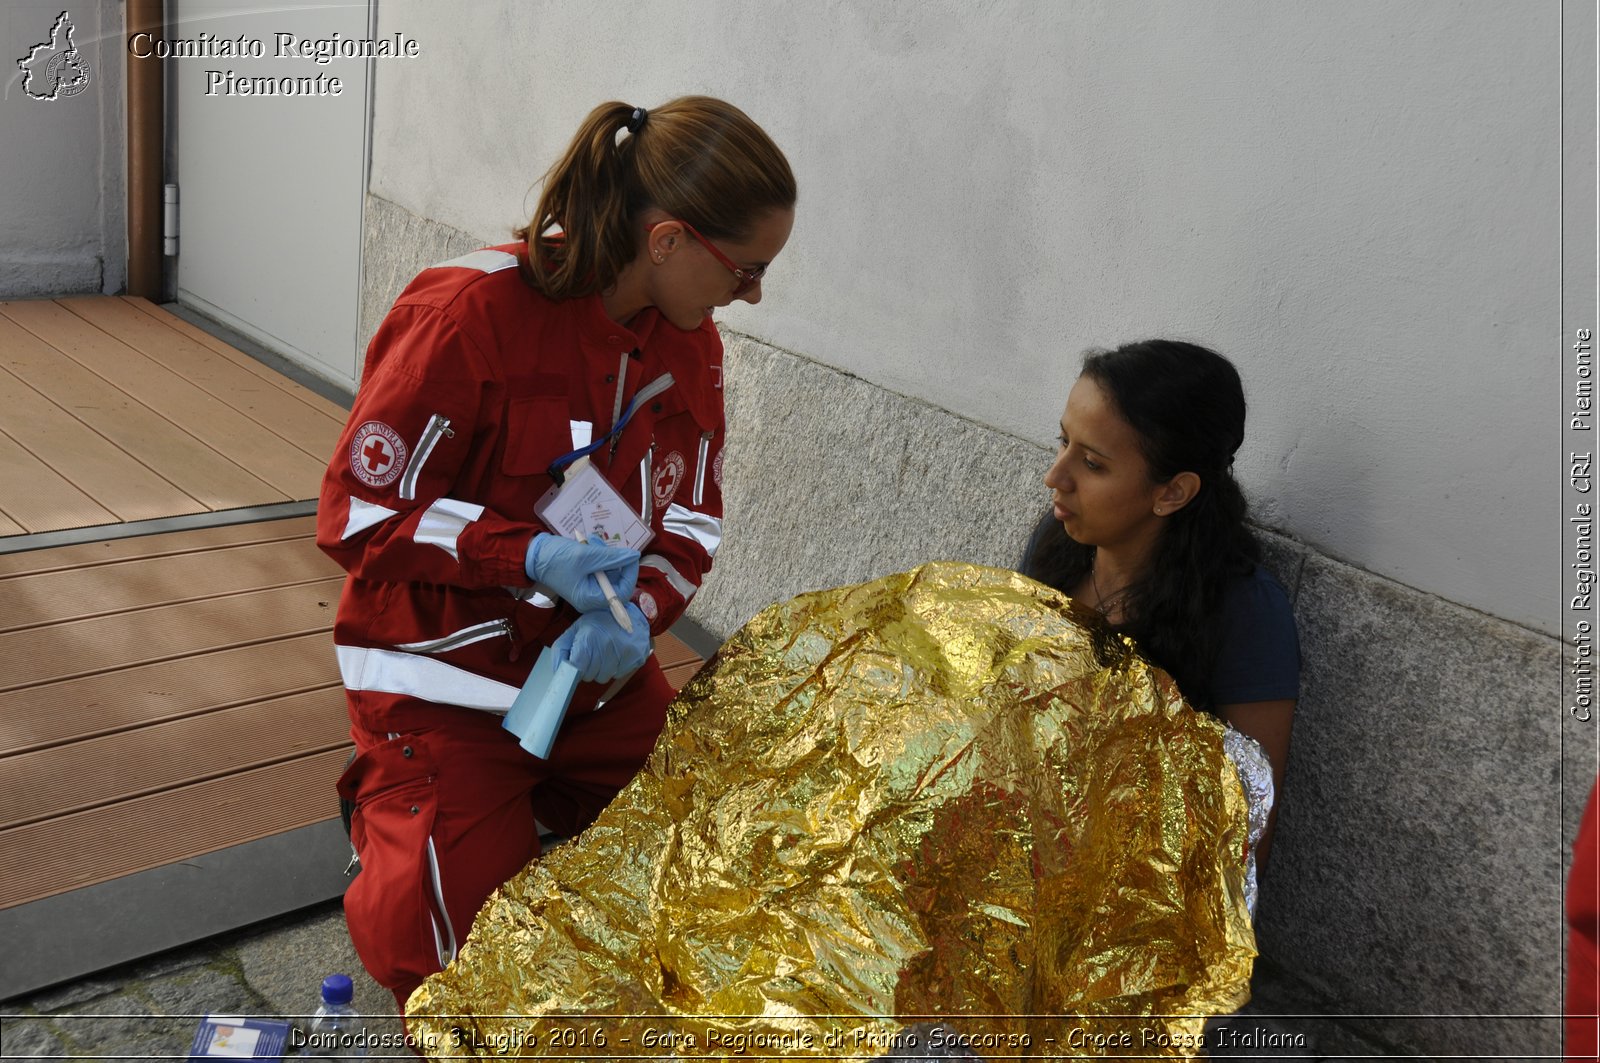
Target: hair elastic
636,120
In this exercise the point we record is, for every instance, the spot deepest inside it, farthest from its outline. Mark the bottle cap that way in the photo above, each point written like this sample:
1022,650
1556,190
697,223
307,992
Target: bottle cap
336,989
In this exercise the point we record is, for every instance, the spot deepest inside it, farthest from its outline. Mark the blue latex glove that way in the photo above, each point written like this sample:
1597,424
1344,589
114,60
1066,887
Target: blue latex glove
567,567
600,650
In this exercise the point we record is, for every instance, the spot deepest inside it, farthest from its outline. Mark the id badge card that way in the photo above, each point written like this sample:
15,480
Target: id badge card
587,502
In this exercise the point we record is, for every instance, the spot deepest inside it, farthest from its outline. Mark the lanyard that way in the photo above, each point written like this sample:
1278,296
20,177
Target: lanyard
645,394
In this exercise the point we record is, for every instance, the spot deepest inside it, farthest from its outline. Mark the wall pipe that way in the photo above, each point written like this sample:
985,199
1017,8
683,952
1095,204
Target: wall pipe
146,141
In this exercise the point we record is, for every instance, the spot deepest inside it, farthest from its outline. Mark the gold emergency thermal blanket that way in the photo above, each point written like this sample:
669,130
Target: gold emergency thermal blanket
948,794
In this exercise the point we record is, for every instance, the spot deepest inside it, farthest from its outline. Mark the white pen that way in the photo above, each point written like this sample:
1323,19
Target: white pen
607,589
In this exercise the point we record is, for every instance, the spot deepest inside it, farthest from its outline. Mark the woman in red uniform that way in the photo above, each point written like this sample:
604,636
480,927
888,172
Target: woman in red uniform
590,336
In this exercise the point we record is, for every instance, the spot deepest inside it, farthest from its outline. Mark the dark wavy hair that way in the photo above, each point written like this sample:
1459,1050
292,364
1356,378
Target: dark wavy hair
1187,405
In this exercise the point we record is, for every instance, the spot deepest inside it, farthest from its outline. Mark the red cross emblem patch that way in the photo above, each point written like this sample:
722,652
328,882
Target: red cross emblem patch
667,478
377,454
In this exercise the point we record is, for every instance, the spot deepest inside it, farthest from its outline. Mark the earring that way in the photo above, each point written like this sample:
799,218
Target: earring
658,256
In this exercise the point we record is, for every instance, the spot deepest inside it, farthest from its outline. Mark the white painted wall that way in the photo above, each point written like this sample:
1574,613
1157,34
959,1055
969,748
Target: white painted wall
63,201
1355,201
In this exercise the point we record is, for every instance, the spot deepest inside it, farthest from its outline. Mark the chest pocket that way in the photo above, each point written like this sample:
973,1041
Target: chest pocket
537,428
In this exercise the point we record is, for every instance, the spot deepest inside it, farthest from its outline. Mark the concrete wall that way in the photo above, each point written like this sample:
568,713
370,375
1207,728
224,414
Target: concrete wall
1351,200
63,208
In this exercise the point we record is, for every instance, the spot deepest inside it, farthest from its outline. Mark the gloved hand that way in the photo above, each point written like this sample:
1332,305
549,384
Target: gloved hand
567,567
600,650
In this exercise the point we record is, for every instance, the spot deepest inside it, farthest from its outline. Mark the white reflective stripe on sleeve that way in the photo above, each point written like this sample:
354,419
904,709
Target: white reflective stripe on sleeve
701,527
700,471
485,261
674,577
582,433
364,515
444,522
428,678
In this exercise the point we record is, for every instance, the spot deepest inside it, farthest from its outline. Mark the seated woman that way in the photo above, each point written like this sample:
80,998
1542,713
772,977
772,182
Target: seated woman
1148,527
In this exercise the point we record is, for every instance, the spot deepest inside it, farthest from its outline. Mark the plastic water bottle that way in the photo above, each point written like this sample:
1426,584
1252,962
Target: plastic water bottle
335,1025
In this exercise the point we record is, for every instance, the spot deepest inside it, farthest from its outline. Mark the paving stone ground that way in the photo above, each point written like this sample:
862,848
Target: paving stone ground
150,1009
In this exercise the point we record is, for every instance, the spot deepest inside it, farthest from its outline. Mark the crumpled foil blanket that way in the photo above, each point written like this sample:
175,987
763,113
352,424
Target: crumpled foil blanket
945,799
1255,778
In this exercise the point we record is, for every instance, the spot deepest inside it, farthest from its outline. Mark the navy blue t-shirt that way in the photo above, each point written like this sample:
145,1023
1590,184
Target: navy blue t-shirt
1260,655
1259,659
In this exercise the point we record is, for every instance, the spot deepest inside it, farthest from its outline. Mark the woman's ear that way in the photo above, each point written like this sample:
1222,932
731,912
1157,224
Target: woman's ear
663,239
1176,493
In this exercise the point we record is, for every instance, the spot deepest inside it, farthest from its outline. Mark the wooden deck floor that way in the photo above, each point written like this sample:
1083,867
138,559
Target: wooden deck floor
166,696
162,696
116,410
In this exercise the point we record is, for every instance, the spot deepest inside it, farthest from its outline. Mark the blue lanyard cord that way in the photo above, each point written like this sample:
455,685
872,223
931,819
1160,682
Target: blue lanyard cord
556,467
643,395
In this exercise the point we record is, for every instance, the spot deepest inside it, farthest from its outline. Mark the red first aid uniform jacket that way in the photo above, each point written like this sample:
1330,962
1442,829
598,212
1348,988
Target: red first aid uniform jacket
473,385
1583,936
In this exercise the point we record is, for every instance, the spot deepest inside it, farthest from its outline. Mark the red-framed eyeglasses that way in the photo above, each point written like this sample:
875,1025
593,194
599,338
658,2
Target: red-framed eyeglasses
748,278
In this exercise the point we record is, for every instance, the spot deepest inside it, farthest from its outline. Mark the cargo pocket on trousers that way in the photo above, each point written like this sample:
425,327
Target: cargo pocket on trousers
396,918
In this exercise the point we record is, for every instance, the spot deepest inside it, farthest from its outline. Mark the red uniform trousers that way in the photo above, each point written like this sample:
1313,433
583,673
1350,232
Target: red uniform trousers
446,803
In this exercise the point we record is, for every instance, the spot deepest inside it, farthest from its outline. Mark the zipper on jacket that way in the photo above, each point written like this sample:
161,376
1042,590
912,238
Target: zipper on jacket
700,468
509,626
647,484
438,425
465,637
